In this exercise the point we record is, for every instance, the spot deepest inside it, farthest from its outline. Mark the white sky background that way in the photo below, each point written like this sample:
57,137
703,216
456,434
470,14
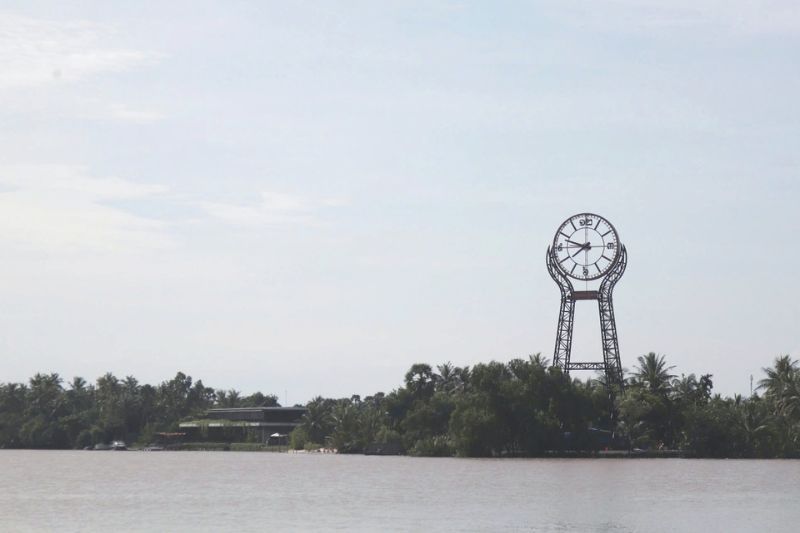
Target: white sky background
312,197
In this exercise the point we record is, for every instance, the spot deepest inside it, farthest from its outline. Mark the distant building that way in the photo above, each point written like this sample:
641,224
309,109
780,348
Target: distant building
239,424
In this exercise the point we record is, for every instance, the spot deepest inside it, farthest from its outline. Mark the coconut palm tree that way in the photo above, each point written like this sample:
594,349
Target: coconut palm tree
779,377
782,392
753,423
317,421
44,395
228,398
539,360
463,374
791,398
445,379
13,400
346,427
685,387
653,373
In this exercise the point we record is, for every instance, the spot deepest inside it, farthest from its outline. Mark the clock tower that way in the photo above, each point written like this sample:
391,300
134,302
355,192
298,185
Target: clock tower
586,248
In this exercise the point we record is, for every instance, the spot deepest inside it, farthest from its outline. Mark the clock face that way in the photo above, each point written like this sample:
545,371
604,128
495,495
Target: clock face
586,246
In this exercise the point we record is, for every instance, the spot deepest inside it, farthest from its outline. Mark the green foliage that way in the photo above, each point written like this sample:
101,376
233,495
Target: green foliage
526,408
427,419
473,429
255,447
438,446
646,417
520,408
298,438
47,414
653,373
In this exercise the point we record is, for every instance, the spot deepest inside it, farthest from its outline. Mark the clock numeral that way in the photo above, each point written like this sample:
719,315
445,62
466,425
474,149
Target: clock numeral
585,222
560,247
611,246
585,271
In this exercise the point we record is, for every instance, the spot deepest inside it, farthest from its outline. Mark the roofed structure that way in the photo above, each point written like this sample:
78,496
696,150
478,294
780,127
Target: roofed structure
232,424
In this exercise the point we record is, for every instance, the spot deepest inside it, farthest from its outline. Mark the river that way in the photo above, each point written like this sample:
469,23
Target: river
250,491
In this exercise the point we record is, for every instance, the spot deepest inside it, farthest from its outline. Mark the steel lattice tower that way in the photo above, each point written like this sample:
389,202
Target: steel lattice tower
610,364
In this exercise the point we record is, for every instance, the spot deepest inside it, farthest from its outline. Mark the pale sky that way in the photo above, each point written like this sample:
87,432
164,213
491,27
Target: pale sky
307,198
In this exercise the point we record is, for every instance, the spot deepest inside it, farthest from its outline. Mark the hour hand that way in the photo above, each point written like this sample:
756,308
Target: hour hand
575,243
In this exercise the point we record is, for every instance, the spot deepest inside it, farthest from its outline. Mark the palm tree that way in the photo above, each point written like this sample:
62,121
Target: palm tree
653,373
445,379
77,384
316,420
13,401
45,393
538,360
752,423
779,377
684,387
463,375
419,380
791,398
229,398
79,395
693,390
346,427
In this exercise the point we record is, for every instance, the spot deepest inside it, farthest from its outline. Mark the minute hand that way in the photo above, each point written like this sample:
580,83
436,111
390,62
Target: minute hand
586,246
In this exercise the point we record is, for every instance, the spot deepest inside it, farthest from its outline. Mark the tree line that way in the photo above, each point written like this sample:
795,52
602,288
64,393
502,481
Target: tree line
44,413
524,407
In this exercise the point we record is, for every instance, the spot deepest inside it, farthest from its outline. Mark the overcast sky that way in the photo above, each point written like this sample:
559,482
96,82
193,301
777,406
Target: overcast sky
307,198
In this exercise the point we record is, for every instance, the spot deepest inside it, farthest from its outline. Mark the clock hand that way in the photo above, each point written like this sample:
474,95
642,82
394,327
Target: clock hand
575,243
584,248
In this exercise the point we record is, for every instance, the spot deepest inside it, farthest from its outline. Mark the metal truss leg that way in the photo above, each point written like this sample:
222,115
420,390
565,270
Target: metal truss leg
608,325
566,316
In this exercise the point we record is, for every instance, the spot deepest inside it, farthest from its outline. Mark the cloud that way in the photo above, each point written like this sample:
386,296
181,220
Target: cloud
59,106
137,116
273,209
36,52
60,208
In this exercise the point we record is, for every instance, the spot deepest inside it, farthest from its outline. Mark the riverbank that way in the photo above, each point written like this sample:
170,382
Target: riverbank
555,454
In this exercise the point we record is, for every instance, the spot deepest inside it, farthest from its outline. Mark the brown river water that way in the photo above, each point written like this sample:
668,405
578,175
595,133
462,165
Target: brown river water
250,491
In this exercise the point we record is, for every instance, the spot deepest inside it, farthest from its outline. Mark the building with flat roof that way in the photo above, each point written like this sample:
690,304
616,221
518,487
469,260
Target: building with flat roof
243,424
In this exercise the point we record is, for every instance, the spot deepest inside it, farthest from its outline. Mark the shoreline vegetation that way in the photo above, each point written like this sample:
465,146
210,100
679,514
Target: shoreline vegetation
522,408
